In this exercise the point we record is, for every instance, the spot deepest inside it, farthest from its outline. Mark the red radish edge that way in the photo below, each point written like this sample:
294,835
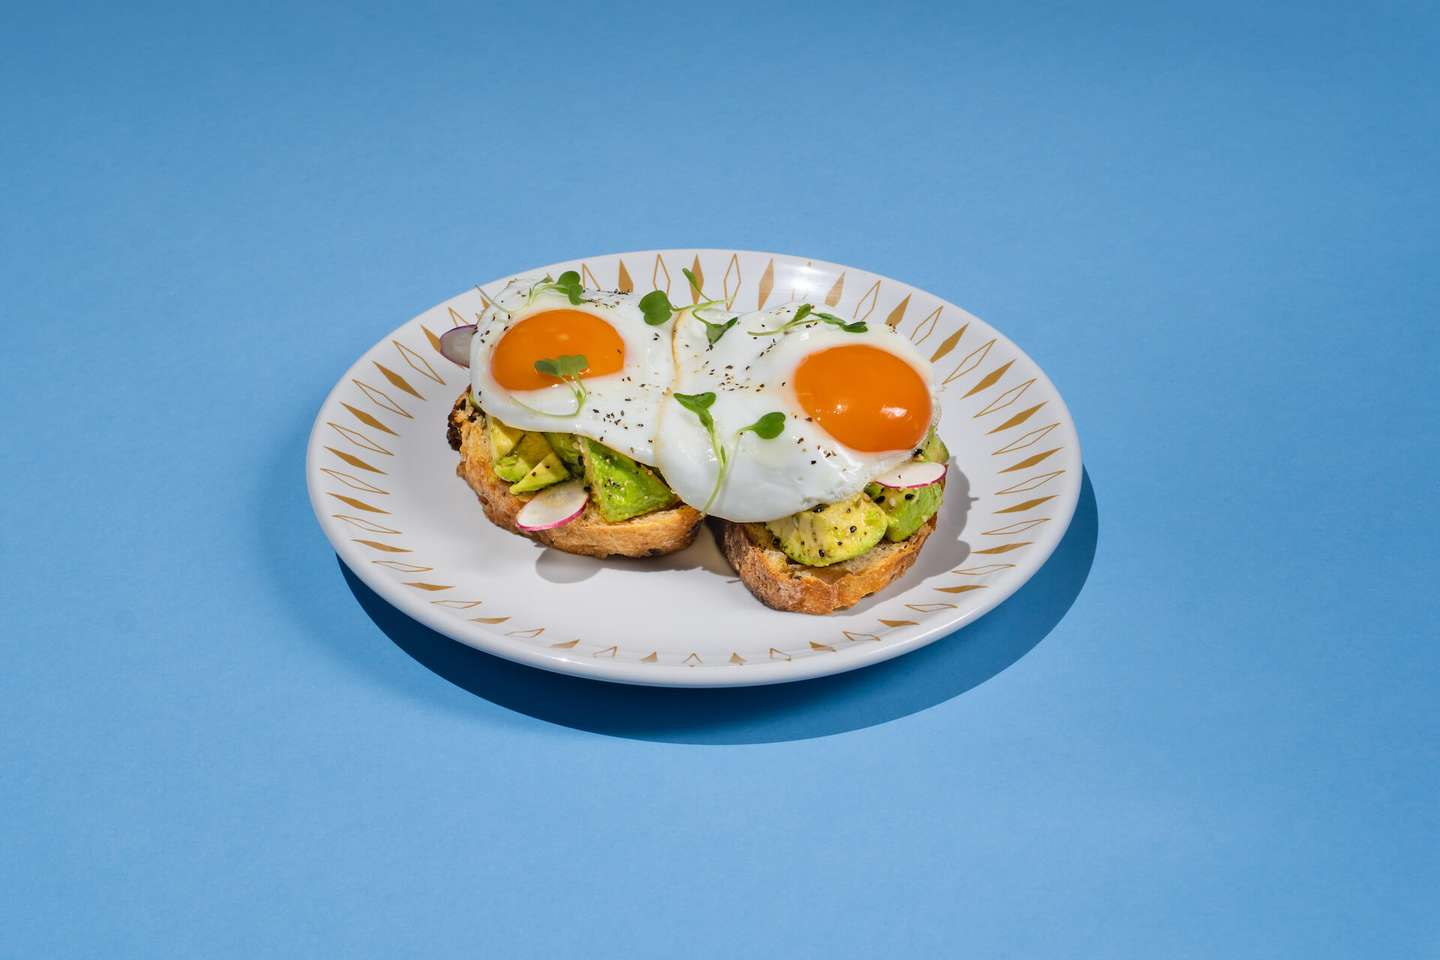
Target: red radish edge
455,344
915,473
553,507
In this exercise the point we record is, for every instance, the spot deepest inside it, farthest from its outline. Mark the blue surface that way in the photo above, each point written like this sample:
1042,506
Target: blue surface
1209,729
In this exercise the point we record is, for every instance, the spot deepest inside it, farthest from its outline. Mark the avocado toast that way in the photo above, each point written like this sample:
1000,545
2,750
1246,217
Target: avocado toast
631,511
833,555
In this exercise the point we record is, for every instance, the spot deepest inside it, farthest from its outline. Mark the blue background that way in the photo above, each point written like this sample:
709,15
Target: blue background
1214,225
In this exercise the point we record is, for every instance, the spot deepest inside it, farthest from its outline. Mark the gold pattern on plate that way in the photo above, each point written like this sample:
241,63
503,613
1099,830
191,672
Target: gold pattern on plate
377,545
623,283
488,619
357,504
607,652
396,380
767,283
418,363
983,571
423,585
655,274
530,634
381,399
403,567
925,326
359,439
1005,399
369,526
736,659
821,646
930,607
693,660
652,657
456,320
1027,440
458,604
963,588
698,287
1026,505
355,461
779,654
836,290
1019,526
990,379
370,420
434,340
1030,461
898,623
858,637
1005,548
731,288
1019,418
587,278
1025,486
898,314
972,360
564,644
352,481
872,297
950,342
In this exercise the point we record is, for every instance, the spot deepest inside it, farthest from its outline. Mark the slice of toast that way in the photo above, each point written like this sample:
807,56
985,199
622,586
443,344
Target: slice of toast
590,534
779,582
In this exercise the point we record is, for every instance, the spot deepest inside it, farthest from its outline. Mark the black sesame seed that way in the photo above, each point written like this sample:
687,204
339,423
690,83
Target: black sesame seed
852,529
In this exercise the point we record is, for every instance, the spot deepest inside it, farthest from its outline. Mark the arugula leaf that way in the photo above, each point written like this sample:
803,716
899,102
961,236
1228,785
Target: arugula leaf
767,427
656,307
699,404
808,314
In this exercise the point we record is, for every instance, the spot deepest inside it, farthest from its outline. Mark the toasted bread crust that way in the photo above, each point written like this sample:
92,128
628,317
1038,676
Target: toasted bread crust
590,535
779,582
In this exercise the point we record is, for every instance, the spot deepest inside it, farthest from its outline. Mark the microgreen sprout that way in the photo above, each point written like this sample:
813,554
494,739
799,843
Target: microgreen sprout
768,427
808,314
568,284
657,308
567,369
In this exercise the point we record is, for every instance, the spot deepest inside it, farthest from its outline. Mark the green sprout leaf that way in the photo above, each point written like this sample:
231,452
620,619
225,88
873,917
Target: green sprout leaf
714,331
767,427
567,368
694,284
656,307
700,404
568,284
808,314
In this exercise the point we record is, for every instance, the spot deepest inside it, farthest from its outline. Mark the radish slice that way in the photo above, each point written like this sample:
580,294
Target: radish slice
914,473
553,507
455,344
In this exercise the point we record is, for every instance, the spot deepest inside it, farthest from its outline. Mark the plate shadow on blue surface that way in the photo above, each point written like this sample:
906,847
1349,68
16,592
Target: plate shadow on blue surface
787,711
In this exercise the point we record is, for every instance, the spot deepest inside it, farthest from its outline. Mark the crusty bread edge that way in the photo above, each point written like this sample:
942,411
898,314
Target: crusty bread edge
651,535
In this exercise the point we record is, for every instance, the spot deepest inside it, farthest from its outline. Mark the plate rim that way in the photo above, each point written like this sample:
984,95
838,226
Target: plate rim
664,674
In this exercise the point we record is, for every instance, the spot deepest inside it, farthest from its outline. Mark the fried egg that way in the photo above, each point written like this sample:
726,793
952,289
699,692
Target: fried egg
615,395
856,404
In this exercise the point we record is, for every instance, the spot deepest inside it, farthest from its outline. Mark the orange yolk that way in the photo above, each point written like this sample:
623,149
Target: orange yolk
867,398
550,334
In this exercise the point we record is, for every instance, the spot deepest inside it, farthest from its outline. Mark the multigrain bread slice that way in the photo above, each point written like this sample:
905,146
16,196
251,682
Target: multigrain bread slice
591,535
779,582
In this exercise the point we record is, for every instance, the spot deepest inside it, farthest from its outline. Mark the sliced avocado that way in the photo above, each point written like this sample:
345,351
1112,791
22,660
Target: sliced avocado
934,449
529,450
543,474
905,510
824,535
621,487
502,439
566,446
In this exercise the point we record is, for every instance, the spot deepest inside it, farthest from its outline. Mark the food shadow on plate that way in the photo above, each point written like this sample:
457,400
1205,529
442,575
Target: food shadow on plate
557,566
768,714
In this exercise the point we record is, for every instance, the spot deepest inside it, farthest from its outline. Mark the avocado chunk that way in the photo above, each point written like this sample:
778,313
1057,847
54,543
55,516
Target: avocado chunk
502,438
543,474
529,450
567,448
934,449
906,510
824,535
620,487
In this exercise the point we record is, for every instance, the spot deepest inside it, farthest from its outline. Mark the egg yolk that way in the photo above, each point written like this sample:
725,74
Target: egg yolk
551,334
866,398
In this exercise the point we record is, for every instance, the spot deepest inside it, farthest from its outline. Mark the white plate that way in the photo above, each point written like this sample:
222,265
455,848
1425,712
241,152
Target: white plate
382,482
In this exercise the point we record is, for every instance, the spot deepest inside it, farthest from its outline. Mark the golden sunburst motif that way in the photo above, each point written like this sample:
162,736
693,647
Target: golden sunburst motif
985,383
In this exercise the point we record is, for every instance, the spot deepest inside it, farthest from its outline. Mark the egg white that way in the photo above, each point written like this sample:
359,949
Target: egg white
620,410
751,376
